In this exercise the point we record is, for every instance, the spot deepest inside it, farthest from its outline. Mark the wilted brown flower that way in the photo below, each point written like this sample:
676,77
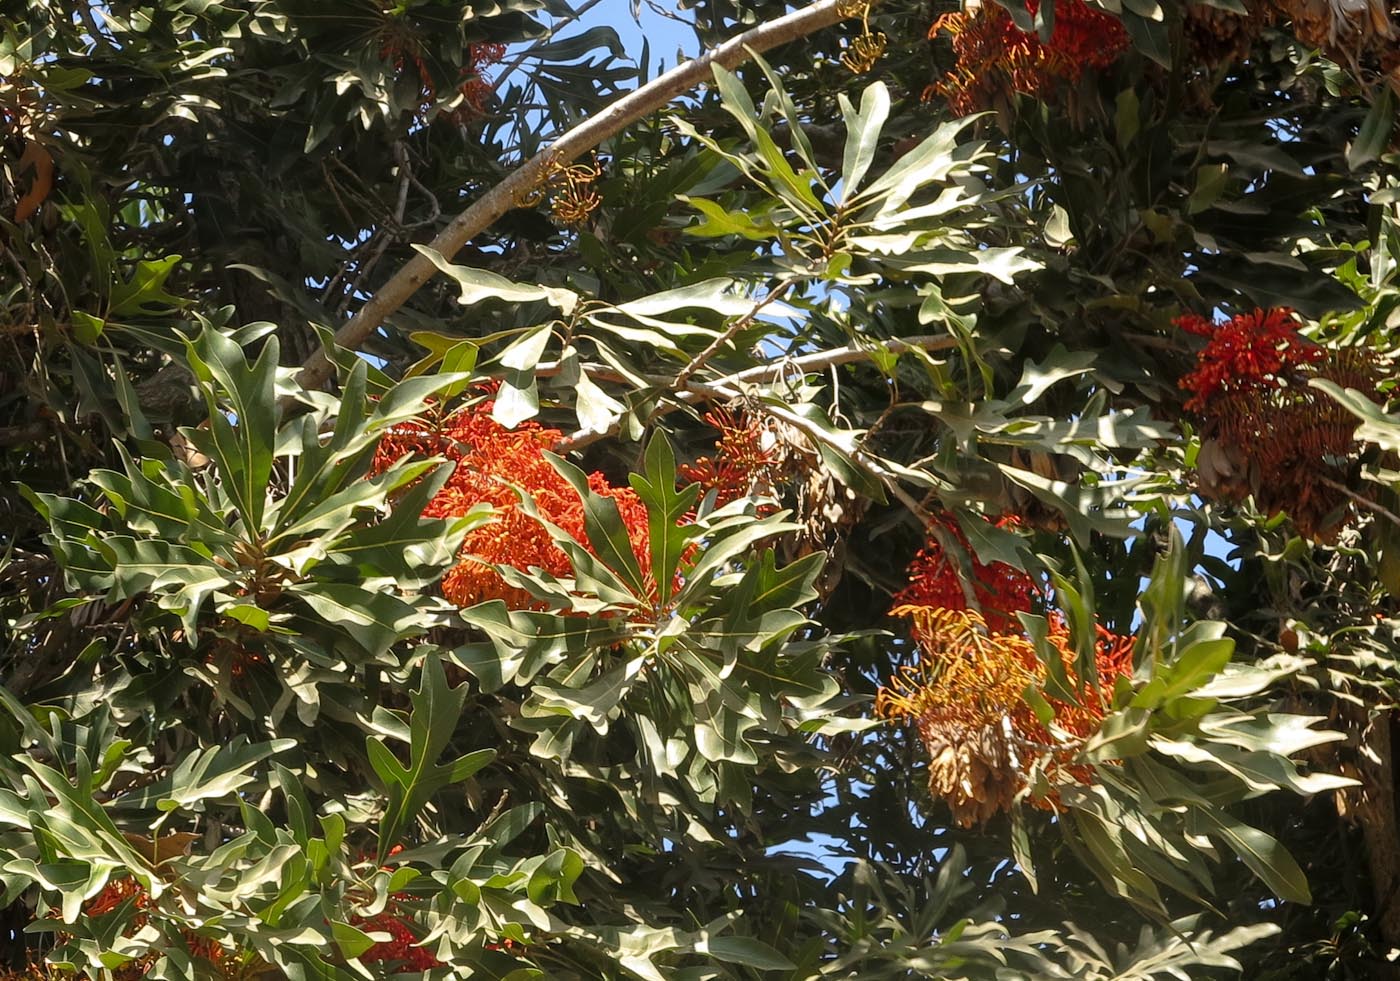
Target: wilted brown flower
965,696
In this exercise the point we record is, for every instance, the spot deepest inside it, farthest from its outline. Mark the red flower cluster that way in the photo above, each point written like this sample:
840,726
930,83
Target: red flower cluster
747,458
965,694
996,58
1001,590
118,891
1251,352
1265,431
474,86
492,462
402,946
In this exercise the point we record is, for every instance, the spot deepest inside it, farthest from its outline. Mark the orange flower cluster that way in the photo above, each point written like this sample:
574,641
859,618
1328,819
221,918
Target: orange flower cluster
491,463
1265,431
118,891
1001,590
996,58
966,693
747,458
965,697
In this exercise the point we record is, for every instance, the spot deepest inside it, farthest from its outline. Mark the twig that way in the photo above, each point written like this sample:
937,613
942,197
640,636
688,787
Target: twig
1363,501
318,369
757,375
730,332
388,231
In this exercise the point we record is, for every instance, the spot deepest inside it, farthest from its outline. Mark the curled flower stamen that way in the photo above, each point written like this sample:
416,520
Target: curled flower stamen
996,59
965,697
864,52
493,465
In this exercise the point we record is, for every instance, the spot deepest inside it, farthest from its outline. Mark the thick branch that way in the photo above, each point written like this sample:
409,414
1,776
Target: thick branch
579,140
28,432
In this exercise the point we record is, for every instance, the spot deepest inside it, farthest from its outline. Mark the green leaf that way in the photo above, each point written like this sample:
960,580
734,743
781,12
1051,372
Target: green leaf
1150,34
144,292
603,525
478,284
553,879
795,191
436,708
521,642
1194,666
1211,180
1127,118
1021,848
1374,135
932,160
746,951
594,703
181,578
211,773
351,941
719,222
240,439
667,507
597,410
411,549
371,619
1263,854
862,135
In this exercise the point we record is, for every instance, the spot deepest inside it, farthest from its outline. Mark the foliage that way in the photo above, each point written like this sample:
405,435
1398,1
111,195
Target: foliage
940,522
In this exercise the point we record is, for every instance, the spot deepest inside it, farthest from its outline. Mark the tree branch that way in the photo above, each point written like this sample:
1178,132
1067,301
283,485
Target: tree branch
28,432
732,331
762,374
317,369
1365,502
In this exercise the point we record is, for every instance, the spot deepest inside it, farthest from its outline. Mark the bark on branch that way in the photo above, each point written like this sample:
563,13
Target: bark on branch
317,369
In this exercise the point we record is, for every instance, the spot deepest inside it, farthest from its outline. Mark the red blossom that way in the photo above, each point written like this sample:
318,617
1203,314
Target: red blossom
475,87
1001,590
402,946
492,463
401,48
1264,430
746,457
1248,353
996,58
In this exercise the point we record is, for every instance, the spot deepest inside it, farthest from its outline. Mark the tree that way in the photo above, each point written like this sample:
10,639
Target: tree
921,505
